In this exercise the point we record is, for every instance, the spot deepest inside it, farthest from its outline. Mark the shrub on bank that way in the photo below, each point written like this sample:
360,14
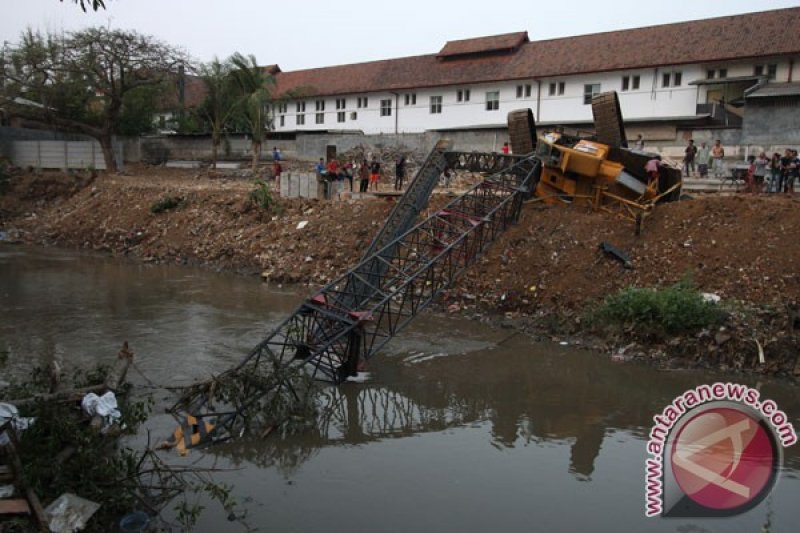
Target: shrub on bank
165,204
673,310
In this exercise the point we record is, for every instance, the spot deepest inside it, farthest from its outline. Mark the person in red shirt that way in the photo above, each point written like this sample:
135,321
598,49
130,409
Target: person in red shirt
505,148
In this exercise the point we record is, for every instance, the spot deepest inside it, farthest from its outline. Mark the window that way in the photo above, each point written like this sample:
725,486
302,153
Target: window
524,90
630,82
462,95
282,108
436,104
758,70
320,116
772,71
301,107
353,115
300,120
386,108
519,91
556,88
527,90
590,91
283,120
341,103
340,116
492,101
676,78
711,74
723,73
362,102
411,99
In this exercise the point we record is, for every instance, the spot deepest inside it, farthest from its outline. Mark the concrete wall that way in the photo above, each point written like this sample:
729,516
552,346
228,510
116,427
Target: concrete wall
772,124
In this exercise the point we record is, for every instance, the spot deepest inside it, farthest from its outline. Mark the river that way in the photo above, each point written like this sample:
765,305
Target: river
462,427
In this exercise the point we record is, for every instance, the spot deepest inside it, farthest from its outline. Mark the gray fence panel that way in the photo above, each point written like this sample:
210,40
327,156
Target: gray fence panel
62,154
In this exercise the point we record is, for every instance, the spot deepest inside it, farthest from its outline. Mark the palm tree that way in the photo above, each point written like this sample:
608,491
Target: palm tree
256,86
222,101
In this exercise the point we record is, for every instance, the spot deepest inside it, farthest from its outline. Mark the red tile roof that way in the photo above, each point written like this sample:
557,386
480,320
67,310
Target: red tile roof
481,45
752,35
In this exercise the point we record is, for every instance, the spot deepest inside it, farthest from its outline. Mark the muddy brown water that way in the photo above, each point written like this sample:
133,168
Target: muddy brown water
461,427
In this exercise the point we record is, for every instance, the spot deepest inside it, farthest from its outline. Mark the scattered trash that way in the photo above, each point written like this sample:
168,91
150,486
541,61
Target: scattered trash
9,412
70,513
104,406
302,224
711,298
134,522
191,433
6,491
616,253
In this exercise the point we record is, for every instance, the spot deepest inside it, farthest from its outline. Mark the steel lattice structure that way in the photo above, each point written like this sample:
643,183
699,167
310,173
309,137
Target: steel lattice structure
351,318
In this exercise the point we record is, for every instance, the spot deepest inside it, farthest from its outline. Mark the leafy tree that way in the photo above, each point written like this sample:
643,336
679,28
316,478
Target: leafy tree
256,86
84,81
223,101
94,4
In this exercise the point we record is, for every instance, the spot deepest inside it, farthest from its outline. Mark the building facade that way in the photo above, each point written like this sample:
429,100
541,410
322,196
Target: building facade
697,72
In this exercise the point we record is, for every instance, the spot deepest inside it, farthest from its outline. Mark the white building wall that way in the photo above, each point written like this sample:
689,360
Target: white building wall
651,100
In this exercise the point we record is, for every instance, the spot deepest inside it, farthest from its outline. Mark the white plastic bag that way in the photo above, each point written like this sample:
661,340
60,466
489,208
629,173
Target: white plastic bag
104,406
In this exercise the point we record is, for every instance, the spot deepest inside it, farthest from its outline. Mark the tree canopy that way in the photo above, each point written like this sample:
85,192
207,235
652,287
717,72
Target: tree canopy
94,4
85,81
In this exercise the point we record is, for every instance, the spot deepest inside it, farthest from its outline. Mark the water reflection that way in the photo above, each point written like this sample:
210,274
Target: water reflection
529,394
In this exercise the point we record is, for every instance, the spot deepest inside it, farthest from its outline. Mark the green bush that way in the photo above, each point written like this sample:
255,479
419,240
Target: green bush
263,198
672,310
165,204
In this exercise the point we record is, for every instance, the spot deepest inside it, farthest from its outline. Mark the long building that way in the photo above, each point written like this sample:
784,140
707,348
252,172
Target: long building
701,73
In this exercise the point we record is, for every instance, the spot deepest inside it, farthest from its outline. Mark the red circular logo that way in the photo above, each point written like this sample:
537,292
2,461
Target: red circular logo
723,459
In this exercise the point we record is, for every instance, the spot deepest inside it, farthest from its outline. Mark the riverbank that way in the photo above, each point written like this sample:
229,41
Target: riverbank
544,275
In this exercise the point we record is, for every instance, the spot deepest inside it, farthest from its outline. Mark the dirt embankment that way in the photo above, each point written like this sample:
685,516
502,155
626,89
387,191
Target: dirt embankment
545,272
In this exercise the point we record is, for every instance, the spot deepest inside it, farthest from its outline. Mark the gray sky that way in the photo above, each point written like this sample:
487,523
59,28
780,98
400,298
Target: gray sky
299,34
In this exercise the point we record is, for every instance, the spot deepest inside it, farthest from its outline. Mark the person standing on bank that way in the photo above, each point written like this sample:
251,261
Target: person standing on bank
374,173
688,159
399,173
703,158
506,149
718,154
639,144
363,176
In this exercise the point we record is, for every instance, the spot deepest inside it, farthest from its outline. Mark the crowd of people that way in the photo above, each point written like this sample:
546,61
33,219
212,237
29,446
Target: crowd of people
770,174
368,173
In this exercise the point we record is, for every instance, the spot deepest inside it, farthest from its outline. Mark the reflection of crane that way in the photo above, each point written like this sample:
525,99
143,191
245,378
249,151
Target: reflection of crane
351,318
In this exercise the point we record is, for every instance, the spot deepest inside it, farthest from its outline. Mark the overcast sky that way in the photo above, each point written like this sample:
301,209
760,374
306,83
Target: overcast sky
299,34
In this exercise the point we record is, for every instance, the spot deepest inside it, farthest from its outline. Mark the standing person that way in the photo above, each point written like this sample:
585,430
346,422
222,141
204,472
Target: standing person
762,162
399,173
363,176
688,158
775,173
639,144
276,153
703,158
506,149
348,173
276,170
792,171
718,155
751,174
374,173
320,167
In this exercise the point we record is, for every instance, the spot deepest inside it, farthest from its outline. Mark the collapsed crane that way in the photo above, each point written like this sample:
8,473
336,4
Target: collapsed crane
348,321
409,263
